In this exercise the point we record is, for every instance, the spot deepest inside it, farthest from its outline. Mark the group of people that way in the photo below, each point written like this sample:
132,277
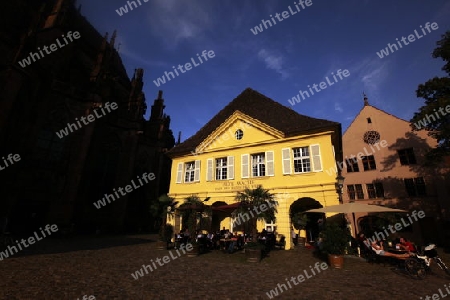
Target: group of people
379,247
212,240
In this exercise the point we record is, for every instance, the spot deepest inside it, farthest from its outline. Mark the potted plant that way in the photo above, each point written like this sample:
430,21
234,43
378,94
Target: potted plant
159,210
335,243
257,197
165,236
195,249
253,251
300,220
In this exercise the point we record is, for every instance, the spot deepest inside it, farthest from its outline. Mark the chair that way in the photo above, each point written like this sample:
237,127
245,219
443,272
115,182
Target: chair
281,243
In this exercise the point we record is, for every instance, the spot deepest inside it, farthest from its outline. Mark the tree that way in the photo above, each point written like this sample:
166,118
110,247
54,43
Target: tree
160,209
191,210
255,198
433,116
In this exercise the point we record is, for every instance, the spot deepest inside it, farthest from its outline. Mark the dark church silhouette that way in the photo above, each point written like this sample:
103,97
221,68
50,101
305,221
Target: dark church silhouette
58,179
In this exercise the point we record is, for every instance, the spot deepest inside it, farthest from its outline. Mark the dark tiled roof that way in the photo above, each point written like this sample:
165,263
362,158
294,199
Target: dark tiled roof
262,108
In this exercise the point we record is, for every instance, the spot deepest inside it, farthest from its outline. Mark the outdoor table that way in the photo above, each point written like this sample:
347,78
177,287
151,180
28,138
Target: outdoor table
397,251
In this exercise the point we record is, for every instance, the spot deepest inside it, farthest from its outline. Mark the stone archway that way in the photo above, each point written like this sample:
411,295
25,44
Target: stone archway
301,205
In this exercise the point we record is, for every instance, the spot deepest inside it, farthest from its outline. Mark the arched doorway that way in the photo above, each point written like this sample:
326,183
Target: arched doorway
308,221
217,216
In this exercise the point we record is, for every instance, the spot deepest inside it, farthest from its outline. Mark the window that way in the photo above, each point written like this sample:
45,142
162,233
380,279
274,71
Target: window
415,186
301,159
406,156
271,227
359,191
238,134
189,172
375,190
258,165
221,168
379,189
369,120
371,137
351,192
371,191
355,191
302,162
352,165
368,163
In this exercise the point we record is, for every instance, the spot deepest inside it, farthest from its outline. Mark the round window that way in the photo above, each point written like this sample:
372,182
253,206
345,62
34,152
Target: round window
238,134
371,137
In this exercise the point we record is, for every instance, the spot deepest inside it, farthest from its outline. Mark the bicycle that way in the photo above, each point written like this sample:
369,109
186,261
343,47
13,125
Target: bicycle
419,265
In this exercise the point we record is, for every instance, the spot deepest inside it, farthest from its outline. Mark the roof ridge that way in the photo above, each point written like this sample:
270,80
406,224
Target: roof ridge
274,114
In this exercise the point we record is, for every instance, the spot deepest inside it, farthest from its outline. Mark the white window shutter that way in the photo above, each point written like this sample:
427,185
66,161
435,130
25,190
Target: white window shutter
197,171
230,167
317,161
209,169
180,173
286,155
269,164
244,166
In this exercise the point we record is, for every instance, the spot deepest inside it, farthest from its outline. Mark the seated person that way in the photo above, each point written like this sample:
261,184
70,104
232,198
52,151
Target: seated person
223,231
404,244
380,251
234,239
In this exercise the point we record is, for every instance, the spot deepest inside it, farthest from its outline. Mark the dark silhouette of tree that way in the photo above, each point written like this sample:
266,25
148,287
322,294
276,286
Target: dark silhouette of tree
433,116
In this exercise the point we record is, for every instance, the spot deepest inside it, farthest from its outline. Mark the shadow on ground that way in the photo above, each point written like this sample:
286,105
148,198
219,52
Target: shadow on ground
51,245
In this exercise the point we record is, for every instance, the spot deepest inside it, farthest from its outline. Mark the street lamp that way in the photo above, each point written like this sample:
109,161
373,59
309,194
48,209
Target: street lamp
340,184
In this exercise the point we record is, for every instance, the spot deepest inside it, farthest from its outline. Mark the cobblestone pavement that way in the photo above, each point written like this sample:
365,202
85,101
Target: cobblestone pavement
70,268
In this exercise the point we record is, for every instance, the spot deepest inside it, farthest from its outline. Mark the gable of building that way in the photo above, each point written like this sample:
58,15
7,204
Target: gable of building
269,116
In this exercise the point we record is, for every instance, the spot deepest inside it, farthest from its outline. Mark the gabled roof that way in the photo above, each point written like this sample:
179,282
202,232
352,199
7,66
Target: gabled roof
264,109
371,106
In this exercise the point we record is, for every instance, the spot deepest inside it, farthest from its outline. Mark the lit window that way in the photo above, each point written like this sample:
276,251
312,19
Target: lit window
189,172
221,168
302,161
258,165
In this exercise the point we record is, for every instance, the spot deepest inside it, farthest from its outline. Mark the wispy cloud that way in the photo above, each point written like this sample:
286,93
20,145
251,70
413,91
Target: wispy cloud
179,20
273,62
372,74
337,107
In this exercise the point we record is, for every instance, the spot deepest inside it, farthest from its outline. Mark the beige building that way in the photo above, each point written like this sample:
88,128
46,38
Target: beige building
384,165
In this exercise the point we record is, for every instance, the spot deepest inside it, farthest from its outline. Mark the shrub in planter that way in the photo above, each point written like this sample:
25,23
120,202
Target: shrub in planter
253,251
165,236
335,243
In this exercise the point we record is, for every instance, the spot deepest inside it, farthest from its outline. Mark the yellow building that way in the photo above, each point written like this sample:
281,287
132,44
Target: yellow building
257,141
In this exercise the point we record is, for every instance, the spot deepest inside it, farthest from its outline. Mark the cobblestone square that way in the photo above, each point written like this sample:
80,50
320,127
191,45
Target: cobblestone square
102,266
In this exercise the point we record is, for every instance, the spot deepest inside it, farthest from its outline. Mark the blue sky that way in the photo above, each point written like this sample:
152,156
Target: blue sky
281,60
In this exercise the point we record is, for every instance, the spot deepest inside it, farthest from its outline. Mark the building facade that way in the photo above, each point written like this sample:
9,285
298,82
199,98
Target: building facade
60,176
390,171
257,141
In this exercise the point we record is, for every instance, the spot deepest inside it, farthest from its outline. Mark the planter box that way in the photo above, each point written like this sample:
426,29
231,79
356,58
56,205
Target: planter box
253,255
336,261
160,245
194,252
